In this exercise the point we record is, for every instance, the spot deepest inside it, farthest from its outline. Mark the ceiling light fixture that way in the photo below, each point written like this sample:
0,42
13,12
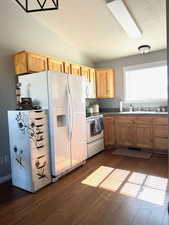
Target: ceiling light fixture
38,5
144,49
123,16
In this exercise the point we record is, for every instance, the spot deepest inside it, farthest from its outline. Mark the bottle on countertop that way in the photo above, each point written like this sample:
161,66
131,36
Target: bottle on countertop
121,106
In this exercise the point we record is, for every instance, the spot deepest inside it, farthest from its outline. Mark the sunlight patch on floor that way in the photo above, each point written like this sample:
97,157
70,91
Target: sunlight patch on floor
137,178
156,182
98,176
133,184
130,189
152,195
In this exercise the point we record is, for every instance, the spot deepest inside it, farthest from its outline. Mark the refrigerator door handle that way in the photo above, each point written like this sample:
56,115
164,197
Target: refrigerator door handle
69,112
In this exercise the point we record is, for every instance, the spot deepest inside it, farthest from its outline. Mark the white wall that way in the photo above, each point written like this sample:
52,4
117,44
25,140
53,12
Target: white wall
21,31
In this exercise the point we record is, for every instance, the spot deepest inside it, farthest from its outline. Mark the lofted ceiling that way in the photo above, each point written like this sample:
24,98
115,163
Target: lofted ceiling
89,26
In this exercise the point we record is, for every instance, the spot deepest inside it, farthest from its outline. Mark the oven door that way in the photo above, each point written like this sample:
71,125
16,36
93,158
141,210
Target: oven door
94,129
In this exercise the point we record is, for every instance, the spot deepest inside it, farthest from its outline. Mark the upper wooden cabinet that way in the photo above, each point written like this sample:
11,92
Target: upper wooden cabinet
75,69
92,76
85,71
67,68
105,83
92,80
55,65
29,62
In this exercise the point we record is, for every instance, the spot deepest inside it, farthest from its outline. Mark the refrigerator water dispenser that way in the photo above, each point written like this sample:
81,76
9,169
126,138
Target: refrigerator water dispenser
61,120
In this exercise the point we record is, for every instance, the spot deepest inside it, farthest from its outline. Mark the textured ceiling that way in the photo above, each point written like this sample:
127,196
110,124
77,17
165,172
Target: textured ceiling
89,26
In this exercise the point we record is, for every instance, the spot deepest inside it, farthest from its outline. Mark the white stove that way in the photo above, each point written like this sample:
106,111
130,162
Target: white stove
95,135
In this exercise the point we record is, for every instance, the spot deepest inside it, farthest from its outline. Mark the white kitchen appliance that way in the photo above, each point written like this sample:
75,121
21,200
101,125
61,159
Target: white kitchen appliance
64,96
96,108
28,134
95,135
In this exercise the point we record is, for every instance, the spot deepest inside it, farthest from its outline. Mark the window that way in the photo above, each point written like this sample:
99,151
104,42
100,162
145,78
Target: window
146,84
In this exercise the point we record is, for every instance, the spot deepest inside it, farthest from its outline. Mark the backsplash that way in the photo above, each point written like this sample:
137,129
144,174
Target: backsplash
113,104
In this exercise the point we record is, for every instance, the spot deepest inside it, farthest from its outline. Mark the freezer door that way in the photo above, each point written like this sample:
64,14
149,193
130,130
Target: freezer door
35,86
58,110
78,137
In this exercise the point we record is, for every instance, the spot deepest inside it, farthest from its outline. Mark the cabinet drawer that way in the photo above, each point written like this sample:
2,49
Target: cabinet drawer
160,121
38,114
126,119
161,143
109,118
161,131
144,120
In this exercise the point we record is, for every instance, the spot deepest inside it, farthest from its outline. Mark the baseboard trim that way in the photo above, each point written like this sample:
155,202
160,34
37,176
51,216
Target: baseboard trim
5,178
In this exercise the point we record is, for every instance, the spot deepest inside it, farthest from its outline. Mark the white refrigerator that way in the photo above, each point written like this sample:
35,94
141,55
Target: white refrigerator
64,96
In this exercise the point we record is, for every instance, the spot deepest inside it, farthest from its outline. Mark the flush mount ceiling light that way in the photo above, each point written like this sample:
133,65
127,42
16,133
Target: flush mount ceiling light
144,49
123,16
38,5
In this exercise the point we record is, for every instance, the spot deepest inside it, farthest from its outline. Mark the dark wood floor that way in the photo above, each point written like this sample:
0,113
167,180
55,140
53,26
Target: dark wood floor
108,190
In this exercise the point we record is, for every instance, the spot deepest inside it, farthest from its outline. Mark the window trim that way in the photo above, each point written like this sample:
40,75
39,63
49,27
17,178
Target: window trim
142,66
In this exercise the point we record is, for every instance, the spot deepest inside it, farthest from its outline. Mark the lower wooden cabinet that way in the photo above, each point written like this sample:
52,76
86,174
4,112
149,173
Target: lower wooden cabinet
109,131
160,143
144,136
125,134
160,133
137,131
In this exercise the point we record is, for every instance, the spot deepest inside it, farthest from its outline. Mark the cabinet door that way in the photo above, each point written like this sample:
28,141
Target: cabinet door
109,131
29,62
75,69
105,83
125,134
67,68
101,84
161,144
21,63
144,136
160,134
92,80
110,84
36,63
55,65
85,71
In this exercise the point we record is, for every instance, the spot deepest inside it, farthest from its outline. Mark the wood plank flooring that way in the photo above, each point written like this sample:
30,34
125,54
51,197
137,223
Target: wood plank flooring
108,190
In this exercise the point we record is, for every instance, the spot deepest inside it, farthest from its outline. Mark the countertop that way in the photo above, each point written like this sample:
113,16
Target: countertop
135,113
90,116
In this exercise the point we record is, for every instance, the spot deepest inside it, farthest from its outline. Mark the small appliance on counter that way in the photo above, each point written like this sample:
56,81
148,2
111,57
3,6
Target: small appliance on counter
96,108
89,110
26,104
92,110
28,134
